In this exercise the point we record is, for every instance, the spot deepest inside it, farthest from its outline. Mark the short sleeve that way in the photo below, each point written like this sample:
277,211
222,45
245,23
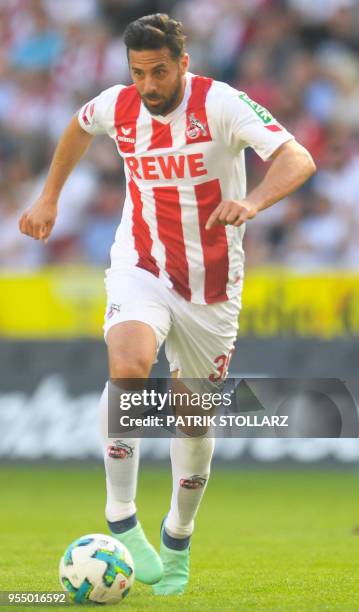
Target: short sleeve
96,116
246,123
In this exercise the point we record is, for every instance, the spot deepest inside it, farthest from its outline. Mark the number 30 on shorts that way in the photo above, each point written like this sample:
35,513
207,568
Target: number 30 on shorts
222,364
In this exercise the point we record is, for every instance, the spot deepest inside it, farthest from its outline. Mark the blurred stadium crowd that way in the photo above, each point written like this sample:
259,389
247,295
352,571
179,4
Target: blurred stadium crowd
299,58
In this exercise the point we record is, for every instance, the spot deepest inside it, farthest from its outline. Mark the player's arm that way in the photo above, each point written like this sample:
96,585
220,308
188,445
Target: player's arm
39,220
242,123
292,165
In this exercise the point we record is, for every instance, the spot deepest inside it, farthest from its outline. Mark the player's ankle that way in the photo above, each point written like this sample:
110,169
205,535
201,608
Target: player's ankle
122,525
175,543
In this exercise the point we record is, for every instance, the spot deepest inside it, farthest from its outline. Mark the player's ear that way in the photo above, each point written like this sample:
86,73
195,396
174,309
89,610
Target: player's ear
184,62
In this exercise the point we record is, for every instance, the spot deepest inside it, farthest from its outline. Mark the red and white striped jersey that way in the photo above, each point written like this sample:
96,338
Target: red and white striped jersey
178,168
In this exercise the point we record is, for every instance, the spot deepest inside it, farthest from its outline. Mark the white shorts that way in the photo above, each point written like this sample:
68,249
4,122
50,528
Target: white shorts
199,338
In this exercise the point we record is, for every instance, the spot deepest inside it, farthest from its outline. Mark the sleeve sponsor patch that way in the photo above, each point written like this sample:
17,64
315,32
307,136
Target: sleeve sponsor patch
261,112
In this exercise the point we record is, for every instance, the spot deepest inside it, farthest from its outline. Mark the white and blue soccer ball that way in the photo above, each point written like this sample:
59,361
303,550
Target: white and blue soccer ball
96,568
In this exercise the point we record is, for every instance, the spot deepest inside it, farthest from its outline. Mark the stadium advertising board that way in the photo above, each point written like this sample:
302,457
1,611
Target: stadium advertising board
69,302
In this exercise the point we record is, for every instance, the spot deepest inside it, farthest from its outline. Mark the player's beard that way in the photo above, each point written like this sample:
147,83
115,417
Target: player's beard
168,104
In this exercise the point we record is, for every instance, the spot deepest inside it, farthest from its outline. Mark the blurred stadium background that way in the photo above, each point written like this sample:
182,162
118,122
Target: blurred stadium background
301,298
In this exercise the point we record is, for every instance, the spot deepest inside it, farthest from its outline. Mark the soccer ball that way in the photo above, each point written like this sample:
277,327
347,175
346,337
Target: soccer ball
96,568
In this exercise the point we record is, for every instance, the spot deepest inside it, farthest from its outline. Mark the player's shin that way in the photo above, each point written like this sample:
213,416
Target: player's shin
121,464
121,457
191,461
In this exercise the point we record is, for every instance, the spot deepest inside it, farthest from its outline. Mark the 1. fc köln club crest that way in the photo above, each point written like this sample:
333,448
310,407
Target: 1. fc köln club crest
195,128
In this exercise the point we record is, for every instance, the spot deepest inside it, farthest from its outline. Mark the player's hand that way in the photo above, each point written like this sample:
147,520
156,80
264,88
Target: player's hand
231,212
38,221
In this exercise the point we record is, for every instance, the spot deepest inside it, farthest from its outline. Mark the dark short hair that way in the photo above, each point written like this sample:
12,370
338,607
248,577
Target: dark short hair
155,32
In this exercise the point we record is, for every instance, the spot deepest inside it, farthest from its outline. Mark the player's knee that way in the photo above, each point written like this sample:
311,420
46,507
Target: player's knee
124,366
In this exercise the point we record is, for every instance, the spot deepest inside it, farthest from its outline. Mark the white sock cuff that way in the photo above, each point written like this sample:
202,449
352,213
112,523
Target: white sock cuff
118,511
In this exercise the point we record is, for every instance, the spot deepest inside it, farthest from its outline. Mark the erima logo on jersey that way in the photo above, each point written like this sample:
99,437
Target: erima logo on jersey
126,139
126,135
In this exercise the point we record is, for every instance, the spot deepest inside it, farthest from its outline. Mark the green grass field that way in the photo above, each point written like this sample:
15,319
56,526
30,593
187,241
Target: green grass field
265,540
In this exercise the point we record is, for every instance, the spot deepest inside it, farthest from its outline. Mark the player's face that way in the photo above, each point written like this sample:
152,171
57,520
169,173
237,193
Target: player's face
159,78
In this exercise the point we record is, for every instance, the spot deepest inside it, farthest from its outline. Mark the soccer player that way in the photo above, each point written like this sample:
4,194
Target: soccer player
176,270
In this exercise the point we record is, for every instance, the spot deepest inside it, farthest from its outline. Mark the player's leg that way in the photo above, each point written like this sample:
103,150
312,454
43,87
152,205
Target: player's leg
191,460
199,336
135,327
122,455
126,361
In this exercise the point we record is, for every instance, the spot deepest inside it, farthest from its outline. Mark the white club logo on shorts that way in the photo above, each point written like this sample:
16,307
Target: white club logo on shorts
112,310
